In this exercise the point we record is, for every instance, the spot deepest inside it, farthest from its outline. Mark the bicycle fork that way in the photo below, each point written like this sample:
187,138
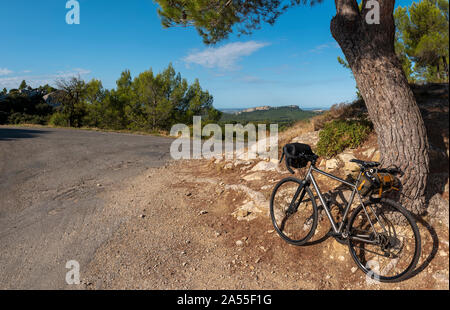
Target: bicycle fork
295,202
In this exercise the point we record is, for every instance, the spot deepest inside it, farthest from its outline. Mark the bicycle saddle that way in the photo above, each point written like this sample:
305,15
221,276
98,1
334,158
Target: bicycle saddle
365,164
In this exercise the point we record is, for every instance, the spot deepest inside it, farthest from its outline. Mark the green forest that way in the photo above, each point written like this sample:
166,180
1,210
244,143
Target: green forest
150,102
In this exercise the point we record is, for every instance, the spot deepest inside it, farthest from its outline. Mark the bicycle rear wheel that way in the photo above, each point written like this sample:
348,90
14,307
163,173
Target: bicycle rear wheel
390,248
293,211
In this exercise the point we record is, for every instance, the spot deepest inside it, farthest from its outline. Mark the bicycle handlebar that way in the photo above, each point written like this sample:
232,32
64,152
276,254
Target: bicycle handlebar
310,158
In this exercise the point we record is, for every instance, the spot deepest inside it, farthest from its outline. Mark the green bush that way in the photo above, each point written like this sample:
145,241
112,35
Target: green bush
338,135
59,119
21,118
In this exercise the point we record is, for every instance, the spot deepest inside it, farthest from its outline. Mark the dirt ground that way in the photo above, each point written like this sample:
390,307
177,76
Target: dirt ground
180,233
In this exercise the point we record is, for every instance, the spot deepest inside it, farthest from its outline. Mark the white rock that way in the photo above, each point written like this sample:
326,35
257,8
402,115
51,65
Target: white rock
332,164
265,166
348,166
254,176
228,166
248,211
369,152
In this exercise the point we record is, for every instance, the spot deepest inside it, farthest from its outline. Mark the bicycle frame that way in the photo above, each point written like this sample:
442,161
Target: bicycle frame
339,230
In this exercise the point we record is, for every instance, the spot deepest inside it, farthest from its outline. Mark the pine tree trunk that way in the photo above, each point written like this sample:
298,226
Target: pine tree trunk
402,138
444,59
438,71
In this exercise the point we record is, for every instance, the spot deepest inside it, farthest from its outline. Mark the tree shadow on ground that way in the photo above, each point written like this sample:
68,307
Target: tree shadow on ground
431,255
10,134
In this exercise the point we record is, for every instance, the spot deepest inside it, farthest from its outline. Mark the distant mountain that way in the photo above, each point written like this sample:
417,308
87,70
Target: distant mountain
285,114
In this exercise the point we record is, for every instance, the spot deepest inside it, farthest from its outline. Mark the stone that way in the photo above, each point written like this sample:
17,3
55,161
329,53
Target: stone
239,162
240,243
254,176
265,166
331,164
228,166
241,213
248,211
369,152
348,166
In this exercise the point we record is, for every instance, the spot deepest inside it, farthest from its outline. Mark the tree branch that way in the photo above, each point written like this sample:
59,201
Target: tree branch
347,7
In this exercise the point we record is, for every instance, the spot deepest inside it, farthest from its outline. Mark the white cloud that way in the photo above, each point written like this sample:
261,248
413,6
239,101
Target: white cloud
5,71
224,57
321,47
38,80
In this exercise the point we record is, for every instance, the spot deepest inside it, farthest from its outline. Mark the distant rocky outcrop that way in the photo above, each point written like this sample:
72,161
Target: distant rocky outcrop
263,108
266,108
54,98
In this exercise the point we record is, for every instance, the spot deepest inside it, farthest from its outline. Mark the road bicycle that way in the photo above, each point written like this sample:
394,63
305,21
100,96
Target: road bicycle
382,236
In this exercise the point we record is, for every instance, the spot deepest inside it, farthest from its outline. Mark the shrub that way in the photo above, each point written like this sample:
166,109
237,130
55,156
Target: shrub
59,119
338,135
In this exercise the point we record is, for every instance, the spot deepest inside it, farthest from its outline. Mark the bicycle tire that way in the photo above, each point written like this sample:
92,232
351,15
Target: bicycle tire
314,214
363,265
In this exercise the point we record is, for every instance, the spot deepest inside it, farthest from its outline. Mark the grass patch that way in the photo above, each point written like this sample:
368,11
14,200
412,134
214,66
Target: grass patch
338,135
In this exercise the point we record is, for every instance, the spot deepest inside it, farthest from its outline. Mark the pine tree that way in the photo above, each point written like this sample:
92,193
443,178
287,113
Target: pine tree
423,29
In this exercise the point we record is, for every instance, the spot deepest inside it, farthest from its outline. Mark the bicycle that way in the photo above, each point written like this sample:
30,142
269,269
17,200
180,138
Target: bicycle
378,227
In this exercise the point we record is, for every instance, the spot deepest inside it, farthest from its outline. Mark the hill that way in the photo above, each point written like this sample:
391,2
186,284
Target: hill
280,115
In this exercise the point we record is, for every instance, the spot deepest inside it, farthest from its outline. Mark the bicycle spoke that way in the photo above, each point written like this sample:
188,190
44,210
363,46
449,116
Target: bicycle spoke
390,245
293,211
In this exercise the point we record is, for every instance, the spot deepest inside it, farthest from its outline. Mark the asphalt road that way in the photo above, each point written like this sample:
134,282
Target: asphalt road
53,184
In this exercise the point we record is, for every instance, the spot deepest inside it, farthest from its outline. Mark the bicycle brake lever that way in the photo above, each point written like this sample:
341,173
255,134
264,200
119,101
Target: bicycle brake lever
288,166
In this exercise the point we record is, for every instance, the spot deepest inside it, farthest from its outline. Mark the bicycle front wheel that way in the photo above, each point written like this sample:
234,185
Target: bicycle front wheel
293,211
384,240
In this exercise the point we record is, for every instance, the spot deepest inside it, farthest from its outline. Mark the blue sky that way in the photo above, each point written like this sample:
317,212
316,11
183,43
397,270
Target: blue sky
292,62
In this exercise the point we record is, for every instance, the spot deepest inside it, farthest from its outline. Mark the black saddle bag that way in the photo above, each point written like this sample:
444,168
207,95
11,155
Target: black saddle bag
295,154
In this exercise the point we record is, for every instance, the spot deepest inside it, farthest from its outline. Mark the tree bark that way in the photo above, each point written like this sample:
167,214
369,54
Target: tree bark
438,71
444,60
401,133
